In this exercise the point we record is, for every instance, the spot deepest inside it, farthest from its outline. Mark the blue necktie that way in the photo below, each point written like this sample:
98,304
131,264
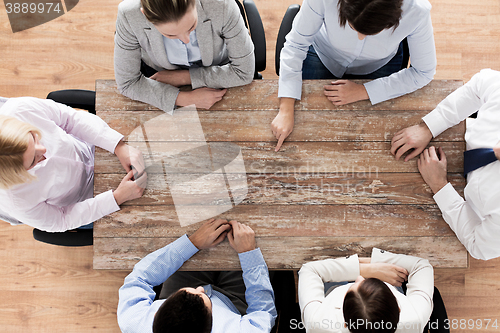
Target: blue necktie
476,158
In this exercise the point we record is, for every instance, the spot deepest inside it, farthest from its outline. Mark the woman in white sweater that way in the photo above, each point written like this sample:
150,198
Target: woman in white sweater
372,302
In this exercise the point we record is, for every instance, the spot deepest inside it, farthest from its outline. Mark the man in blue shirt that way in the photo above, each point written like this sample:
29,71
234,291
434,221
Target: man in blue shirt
200,309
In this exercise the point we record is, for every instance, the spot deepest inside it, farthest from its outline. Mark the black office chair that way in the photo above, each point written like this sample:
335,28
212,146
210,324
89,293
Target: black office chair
438,322
81,99
253,22
286,26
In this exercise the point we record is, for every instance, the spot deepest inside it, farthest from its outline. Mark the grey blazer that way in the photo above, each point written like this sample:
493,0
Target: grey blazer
225,46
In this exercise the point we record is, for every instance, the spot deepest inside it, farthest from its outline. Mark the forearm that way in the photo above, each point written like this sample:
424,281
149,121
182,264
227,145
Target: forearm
58,219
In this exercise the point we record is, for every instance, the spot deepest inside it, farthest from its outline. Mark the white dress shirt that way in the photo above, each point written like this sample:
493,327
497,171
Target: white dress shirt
322,314
475,220
341,51
61,198
182,54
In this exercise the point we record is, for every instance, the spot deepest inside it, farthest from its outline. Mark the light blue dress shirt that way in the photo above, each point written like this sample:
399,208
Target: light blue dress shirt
136,305
341,51
182,54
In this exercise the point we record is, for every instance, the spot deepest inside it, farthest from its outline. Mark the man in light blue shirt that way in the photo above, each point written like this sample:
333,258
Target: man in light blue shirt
200,309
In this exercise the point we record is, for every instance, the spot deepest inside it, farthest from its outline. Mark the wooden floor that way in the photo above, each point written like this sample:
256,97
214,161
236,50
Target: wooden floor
53,289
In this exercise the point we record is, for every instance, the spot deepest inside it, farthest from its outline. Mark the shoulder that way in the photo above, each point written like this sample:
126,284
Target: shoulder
214,8
131,9
415,7
19,105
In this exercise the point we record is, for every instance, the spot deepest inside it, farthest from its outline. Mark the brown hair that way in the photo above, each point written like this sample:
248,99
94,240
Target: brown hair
14,140
371,308
163,11
369,17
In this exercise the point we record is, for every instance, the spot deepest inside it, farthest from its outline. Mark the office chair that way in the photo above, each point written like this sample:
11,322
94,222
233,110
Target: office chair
438,322
286,26
253,22
81,99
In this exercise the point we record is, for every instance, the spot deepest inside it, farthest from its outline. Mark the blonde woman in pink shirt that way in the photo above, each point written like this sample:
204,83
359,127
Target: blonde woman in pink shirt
47,165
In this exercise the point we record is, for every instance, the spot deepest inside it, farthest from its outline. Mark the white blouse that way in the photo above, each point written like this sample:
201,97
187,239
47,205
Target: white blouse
61,198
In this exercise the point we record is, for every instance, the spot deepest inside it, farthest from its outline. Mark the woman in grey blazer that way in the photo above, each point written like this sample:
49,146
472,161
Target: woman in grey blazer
202,43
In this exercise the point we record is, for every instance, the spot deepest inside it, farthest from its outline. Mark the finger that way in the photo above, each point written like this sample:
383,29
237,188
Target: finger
230,237
442,155
142,181
330,87
218,223
154,76
398,135
129,175
395,144
219,231
280,142
414,153
339,82
425,156
401,150
219,239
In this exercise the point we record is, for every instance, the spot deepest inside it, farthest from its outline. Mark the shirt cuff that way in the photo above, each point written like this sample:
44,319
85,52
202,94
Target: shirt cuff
108,201
251,259
290,88
375,94
436,123
447,198
185,247
109,139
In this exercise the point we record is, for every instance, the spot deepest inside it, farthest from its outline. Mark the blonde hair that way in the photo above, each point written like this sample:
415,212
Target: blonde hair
14,140
164,11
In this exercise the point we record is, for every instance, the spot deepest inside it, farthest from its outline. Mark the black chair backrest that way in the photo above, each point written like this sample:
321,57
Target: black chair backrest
253,22
285,27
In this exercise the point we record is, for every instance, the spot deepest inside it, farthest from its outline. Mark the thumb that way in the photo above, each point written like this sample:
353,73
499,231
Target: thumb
129,175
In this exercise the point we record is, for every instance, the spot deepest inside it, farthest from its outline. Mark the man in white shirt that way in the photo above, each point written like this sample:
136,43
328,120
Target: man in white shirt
475,220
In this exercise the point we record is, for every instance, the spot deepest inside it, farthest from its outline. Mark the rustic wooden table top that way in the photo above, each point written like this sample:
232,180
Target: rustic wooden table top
334,189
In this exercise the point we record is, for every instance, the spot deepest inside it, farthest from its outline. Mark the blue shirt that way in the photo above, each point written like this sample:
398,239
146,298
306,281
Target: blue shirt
182,54
136,305
341,51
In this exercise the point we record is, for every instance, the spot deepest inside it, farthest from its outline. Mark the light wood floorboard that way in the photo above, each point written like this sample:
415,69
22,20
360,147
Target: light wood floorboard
54,289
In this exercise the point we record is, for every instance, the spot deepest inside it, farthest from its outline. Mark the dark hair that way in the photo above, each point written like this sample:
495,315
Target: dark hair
369,17
371,308
163,11
183,312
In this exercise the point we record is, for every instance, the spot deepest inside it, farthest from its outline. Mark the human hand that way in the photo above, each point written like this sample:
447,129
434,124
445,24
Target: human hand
130,158
496,149
342,92
282,124
433,168
415,137
129,188
175,78
389,273
210,233
203,98
241,237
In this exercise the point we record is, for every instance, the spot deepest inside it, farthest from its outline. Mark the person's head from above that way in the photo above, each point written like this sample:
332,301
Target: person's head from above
186,310
174,19
369,17
20,151
370,306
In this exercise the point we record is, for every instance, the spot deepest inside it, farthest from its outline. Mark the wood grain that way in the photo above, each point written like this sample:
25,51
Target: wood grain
232,126
299,157
286,221
123,253
317,189
244,98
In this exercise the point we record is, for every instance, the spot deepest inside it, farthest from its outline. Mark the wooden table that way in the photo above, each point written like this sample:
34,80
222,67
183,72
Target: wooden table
333,190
